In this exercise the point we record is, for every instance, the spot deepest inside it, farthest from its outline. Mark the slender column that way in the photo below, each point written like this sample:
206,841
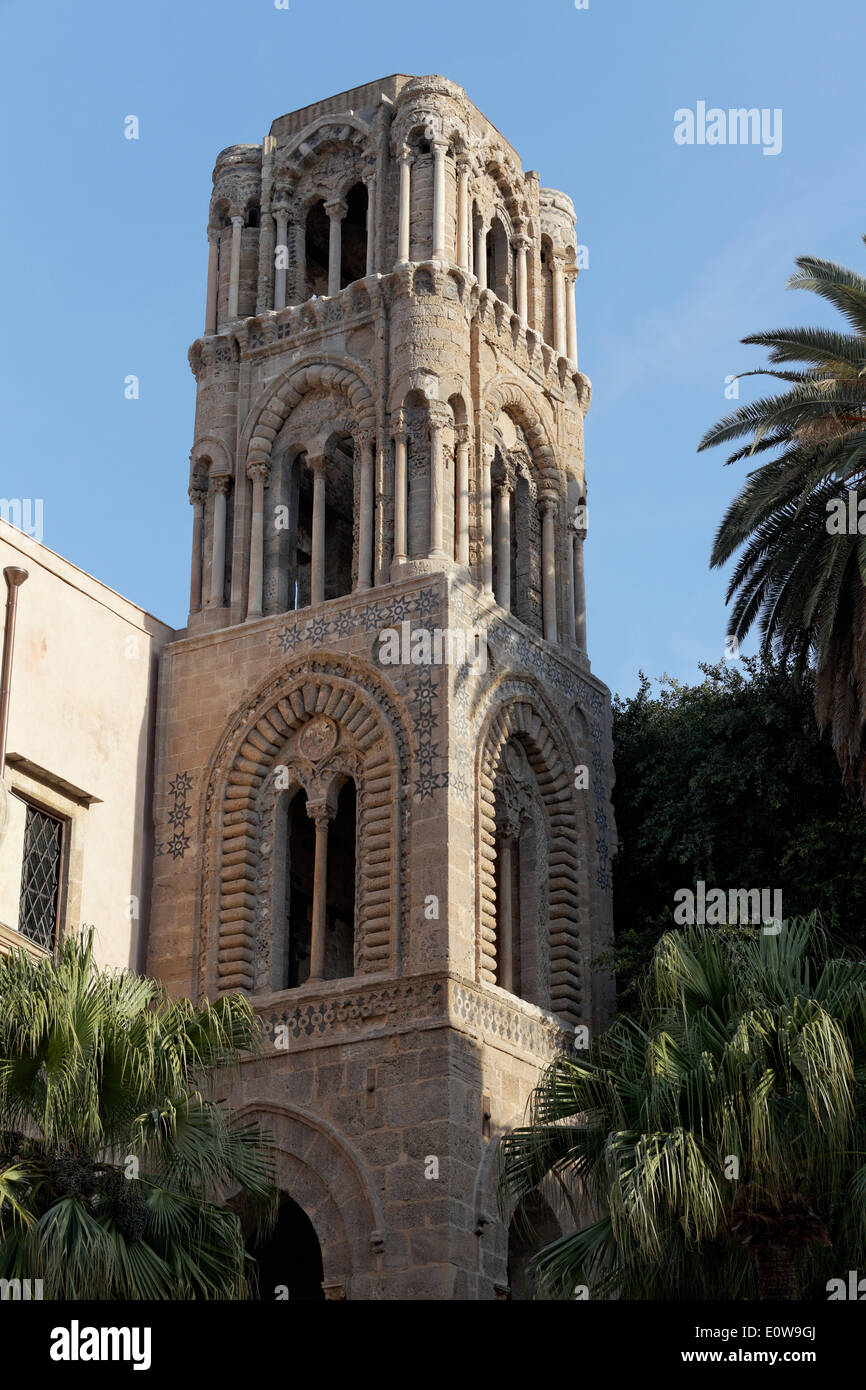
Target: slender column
336,211
370,182
569,585
481,255
317,559
437,483
265,285
463,231
219,485
235,268
505,915
322,814
579,592
461,482
213,261
198,497
570,317
522,245
548,566
558,305
486,517
259,473
400,441
365,442
281,252
440,149
405,204
503,543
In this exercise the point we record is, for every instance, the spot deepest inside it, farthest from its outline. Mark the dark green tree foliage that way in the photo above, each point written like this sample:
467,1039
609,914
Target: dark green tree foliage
729,781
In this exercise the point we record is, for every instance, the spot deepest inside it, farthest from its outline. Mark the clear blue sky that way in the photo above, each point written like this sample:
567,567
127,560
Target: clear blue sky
104,251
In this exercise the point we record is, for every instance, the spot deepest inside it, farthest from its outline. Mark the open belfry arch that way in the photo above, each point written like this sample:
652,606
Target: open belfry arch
382,800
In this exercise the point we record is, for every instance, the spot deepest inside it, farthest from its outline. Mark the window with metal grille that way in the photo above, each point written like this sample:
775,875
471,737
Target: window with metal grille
40,877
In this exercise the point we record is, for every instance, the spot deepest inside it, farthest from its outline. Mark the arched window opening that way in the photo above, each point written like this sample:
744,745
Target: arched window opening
353,243
339,518
253,218
520,855
340,914
316,243
301,535
531,1228
499,277
289,1260
299,878
547,289
415,416
526,597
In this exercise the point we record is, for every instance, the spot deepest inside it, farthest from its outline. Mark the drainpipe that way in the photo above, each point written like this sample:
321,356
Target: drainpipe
14,579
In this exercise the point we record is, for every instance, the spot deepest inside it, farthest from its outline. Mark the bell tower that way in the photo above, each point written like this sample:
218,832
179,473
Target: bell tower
382,801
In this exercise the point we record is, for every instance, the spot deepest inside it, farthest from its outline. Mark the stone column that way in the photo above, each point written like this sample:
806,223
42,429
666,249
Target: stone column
282,253
317,559
400,498
405,204
463,229
370,184
521,246
569,587
259,473
213,261
336,210
322,814
235,267
505,915
579,590
547,507
197,497
504,488
461,483
265,284
558,305
219,486
439,417
440,149
570,317
365,441
481,255
487,451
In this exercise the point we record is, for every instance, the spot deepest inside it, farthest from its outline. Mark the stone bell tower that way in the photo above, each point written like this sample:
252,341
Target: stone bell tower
382,800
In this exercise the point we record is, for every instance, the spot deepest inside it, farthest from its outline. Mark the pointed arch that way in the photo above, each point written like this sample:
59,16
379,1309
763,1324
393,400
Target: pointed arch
366,738
276,403
516,710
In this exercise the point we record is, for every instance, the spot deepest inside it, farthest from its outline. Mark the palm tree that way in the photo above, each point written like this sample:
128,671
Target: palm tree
716,1147
114,1153
804,583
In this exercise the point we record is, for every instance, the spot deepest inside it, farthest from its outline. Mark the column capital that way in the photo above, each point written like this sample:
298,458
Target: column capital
547,505
259,472
336,207
439,144
220,483
463,434
237,219
317,462
213,234
365,439
405,156
464,162
320,812
197,494
504,486
399,429
521,242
